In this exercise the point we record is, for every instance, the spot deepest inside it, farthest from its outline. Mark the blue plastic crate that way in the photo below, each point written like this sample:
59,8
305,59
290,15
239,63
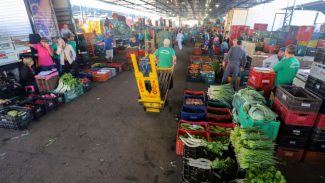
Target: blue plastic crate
193,113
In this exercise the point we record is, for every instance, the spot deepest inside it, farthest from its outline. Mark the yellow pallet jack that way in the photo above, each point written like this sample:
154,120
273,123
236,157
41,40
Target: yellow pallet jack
153,83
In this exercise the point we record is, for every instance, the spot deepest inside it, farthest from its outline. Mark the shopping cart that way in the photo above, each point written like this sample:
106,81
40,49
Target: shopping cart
153,83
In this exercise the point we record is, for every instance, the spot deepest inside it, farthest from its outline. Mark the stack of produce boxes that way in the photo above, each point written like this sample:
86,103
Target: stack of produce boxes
315,152
236,31
203,140
207,72
298,110
193,73
261,81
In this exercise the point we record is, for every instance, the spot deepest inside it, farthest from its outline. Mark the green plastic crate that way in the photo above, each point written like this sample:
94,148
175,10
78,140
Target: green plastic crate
269,128
74,93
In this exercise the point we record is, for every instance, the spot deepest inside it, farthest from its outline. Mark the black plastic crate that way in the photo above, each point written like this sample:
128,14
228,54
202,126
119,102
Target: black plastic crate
298,99
38,110
198,152
318,134
292,142
320,56
194,175
296,131
20,121
316,86
316,145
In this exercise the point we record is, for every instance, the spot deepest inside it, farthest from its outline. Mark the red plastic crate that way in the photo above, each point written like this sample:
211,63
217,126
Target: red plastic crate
289,153
197,51
305,33
288,42
119,66
261,79
251,32
194,93
203,124
230,125
314,157
321,43
260,27
298,118
180,144
320,121
101,77
267,89
218,114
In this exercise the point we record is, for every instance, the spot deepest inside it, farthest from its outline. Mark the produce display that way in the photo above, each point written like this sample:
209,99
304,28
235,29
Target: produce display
4,101
254,153
186,126
259,112
193,101
66,83
220,130
13,113
247,95
222,93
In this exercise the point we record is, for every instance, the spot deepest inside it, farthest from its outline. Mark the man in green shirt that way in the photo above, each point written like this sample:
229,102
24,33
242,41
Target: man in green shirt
72,42
287,68
56,57
166,56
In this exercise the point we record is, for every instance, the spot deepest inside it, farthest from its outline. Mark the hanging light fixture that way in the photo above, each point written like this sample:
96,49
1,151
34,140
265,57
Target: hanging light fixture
217,5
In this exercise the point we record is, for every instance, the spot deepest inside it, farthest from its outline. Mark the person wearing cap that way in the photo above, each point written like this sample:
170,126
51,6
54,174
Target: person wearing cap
45,53
274,59
287,69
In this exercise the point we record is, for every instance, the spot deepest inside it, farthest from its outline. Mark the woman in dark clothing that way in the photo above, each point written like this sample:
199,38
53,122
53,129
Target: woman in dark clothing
27,74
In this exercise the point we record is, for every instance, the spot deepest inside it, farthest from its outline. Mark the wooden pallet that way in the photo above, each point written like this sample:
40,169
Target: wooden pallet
164,78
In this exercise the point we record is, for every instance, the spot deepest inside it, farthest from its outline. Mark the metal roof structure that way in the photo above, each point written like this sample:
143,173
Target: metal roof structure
189,9
313,6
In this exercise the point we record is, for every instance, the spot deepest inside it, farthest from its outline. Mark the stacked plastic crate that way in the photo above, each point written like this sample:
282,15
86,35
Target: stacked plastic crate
202,122
298,111
315,152
261,81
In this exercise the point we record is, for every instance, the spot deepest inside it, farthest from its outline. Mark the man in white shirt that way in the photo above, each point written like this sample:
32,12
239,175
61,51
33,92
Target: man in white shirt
179,39
274,59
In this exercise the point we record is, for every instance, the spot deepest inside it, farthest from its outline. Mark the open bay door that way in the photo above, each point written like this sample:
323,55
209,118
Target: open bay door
14,24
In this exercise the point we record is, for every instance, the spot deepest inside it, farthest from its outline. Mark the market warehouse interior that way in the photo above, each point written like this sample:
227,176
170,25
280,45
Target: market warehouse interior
162,91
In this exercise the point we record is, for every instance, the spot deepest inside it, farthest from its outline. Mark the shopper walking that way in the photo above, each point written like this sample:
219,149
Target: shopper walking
71,41
56,57
45,53
108,45
179,39
236,59
166,57
67,57
287,68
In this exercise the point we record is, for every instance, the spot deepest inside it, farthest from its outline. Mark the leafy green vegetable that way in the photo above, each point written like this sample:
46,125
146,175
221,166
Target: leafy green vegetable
224,165
218,129
187,126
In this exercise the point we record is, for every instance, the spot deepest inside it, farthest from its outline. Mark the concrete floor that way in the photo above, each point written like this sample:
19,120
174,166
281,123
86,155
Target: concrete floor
105,136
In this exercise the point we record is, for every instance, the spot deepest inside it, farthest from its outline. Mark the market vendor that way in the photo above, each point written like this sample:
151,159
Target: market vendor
71,41
45,52
166,57
236,59
67,57
27,74
287,68
274,59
